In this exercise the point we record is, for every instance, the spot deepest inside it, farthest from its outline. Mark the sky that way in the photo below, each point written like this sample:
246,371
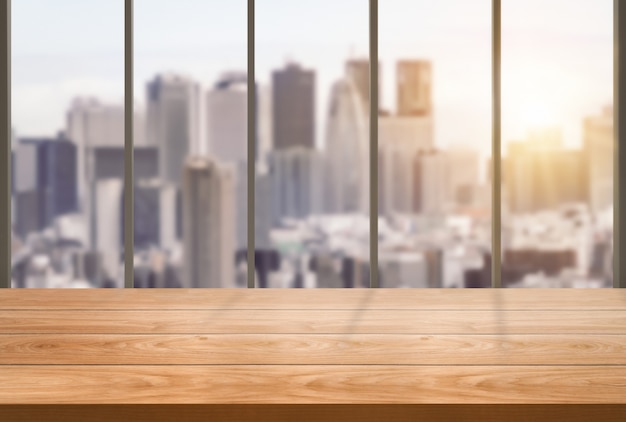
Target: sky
557,64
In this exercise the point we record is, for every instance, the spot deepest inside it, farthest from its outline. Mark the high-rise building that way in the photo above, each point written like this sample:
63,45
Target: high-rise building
599,159
430,182
45,181
347,151
262,211
147,214
109,162
399,139
108,234
414,88
168,236
264,122
293,107
358,70
209,224
173,122
296,180
395,179
415,133
92,124
464,173
227,118
541,174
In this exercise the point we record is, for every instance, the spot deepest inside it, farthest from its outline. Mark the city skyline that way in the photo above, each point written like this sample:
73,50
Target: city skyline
312,208
459,49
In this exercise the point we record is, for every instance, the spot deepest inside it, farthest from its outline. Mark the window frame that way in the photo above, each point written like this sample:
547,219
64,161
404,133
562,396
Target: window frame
619,110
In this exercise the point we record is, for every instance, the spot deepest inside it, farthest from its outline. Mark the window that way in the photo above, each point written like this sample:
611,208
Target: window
67,146
264,157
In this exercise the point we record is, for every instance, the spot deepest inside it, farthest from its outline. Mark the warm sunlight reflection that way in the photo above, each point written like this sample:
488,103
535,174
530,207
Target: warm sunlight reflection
537,114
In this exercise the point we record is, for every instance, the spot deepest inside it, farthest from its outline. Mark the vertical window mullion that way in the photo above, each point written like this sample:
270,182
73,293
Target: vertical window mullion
619,115
129,201
5,150
373,112
496,170
251,91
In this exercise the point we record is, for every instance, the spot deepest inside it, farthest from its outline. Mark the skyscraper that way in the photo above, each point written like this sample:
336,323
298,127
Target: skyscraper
173,122
45,181
209,224
93,124
108,235
347,151
431,174
541,174
227,118
293,107
358,70
464,172
296,182
414,84
400,138
599,157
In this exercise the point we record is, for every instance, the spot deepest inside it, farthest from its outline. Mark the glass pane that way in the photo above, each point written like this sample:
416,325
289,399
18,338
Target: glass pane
312,179
434,144
190,87
67,103
557,85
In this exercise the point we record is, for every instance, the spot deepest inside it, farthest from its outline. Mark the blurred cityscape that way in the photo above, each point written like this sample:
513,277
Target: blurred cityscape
312,202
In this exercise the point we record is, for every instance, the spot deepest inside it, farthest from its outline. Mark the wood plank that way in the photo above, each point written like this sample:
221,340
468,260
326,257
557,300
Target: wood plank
156,299
365,349
292,384
313,321
314,412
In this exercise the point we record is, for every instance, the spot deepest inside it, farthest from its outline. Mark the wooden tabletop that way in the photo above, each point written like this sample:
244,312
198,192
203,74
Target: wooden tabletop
324,346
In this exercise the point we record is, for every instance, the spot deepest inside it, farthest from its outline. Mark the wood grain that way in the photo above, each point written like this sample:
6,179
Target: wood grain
292,384
238,347
313,321
366,349
347,299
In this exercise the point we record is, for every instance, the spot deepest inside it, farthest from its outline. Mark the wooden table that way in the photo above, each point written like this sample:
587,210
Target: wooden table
327,354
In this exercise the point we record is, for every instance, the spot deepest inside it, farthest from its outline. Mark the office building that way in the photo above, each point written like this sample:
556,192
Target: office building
414,88
297,182
92,124
173,122
208,219
109,162
598,147
395,180
227,118
45,182
347,151
108,234
358,70
430,183
293,107
399,139
541,174
464,165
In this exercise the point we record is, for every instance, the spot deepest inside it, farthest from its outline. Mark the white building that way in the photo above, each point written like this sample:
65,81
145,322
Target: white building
208,224
227,119
92,124
347,151
399,140
108,225
173,122
432,174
